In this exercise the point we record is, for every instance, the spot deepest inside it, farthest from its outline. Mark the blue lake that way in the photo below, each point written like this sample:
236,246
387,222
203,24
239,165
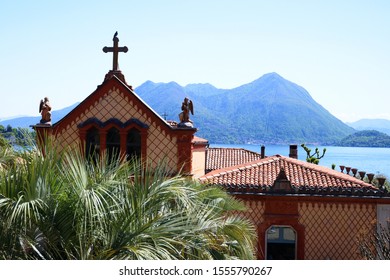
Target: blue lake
371,160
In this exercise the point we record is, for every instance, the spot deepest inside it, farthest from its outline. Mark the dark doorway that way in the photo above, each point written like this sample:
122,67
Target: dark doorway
281,243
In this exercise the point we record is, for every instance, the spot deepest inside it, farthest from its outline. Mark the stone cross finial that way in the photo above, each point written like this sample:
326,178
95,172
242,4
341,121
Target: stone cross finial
115,50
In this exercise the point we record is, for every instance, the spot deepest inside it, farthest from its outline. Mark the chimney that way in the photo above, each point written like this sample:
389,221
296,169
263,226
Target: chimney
293,151
262,151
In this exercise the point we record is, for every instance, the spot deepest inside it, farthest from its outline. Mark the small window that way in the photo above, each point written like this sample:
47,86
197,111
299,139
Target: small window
281,243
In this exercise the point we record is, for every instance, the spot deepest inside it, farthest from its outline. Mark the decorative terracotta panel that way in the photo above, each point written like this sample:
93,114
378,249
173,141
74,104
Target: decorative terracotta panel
254,211
332,229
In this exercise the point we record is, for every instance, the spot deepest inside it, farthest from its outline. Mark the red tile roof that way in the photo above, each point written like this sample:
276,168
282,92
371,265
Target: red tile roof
219,158
259,176
199,140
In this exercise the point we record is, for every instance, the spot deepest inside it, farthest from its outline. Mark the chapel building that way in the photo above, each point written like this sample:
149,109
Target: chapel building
300,210
115,120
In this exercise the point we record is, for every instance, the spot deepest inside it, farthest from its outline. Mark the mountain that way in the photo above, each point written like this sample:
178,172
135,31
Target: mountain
270,109
26,121
366,138
381,125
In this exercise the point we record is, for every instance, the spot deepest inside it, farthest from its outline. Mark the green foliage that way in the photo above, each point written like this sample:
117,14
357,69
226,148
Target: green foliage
4,143
60,206
17,136
366,138
315,156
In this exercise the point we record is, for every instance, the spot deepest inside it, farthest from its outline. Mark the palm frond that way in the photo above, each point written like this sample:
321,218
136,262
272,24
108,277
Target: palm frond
62,206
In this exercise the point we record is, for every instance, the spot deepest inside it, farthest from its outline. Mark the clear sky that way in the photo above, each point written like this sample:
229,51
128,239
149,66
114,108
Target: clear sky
339,50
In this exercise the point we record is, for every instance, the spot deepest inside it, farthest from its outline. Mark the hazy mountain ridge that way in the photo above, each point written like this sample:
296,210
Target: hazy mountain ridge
381,125
26,121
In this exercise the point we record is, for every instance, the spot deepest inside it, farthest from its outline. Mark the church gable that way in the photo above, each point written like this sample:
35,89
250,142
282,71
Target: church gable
112,99
115,106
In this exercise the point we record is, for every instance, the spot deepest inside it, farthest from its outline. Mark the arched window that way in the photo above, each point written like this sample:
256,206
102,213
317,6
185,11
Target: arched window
281,243
114,138
92,143
113,143
133,144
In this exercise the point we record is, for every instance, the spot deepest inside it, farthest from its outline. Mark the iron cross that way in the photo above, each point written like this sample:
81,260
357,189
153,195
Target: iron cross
115,50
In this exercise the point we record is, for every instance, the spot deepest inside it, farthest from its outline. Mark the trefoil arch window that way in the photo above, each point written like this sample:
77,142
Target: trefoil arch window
114,137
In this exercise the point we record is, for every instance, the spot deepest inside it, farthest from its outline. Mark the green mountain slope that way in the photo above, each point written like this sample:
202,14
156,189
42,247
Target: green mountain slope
270,109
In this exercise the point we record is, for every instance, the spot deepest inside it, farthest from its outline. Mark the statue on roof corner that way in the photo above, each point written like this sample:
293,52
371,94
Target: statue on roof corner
45,110
187,107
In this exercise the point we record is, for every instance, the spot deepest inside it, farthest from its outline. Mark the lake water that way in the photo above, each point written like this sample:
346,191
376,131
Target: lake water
371,160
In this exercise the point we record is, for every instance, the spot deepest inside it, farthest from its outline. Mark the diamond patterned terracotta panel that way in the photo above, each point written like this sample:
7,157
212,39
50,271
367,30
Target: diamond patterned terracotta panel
254,211
161,147
332,229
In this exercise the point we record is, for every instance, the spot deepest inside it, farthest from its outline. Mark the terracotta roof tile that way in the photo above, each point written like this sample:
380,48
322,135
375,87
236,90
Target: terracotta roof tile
197,139
218,158
260,174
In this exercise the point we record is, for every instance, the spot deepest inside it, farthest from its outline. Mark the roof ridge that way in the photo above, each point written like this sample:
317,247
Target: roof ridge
232,148
327,170
240,166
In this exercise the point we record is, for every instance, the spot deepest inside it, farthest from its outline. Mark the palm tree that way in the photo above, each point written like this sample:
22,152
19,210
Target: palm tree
374,243
62,206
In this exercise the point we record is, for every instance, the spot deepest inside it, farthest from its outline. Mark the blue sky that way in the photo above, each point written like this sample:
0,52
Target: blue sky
338,50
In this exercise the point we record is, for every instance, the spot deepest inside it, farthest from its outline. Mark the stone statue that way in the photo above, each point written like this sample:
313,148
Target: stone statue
45,110
187,107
